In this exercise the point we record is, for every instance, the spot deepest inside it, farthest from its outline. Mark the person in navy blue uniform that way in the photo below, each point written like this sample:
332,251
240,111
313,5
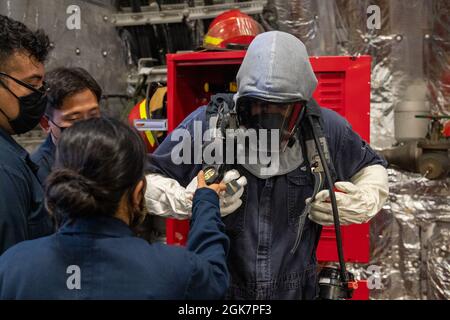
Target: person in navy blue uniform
73,95
96,254
275,81
22,104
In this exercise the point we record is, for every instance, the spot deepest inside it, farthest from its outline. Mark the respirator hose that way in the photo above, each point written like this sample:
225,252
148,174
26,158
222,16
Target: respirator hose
337,225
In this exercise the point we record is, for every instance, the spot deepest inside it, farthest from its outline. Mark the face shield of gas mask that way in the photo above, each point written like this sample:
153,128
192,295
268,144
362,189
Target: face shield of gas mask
274,120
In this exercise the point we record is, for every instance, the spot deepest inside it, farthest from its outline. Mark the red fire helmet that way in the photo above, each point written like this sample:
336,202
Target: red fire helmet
231,27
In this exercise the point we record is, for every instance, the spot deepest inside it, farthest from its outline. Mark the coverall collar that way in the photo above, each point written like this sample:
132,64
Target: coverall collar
98,225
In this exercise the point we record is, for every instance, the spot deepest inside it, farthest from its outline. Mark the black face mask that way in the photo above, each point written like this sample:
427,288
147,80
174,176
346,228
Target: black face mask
31,108
283,120
268,121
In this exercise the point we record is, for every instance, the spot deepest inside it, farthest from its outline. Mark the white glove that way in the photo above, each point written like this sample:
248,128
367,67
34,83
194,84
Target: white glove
165,197
359,200
228,203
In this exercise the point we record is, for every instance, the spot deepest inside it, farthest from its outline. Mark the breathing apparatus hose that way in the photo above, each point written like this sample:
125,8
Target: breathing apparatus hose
334,207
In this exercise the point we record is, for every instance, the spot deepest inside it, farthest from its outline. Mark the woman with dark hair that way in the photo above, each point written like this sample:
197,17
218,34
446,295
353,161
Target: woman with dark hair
98,185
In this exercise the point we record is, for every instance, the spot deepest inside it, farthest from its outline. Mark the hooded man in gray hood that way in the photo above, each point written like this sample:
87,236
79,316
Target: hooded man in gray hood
275,83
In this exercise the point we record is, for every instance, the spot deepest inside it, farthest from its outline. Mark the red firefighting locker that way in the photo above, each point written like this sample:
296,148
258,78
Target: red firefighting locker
344,86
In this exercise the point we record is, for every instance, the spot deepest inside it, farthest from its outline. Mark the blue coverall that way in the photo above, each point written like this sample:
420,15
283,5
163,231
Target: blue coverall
263,230
22,212
111,263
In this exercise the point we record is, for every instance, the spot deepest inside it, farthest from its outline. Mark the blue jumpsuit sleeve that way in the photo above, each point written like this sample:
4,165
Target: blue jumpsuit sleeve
13,208
349,152
207,240
161,162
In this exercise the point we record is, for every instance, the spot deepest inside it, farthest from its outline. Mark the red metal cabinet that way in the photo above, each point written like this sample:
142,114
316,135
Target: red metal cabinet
344,86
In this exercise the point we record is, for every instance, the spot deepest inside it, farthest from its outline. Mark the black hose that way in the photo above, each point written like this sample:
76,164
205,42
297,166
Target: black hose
337,225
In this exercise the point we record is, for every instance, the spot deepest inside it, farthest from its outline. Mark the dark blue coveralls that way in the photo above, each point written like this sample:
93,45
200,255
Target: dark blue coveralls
112,263
263,230
22,212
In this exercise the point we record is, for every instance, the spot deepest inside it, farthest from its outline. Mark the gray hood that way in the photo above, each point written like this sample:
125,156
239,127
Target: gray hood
276,68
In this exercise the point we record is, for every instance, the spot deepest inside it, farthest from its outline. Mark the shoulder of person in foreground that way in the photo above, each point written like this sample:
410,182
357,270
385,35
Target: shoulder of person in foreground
200,268
23,262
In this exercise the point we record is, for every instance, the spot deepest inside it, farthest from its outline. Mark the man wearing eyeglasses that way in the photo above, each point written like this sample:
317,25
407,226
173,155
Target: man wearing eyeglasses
73,95
22,103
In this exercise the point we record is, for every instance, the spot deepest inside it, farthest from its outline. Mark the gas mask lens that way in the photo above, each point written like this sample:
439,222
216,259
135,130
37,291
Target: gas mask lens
278,119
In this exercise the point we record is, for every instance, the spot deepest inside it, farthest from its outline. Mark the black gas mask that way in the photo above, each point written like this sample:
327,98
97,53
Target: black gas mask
31,106
284,118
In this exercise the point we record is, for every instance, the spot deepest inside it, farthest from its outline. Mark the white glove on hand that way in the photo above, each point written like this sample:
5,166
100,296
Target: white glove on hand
165,197
228,203
359,200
